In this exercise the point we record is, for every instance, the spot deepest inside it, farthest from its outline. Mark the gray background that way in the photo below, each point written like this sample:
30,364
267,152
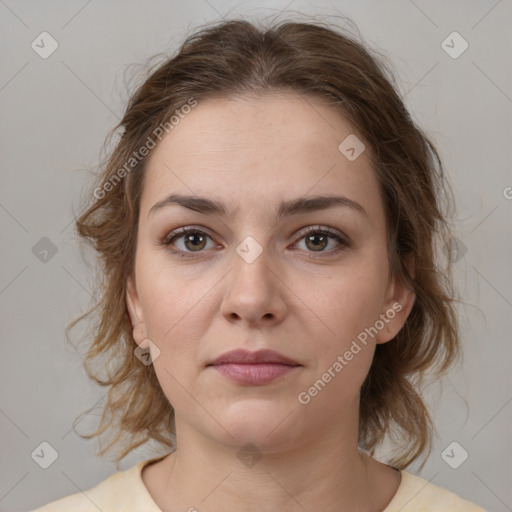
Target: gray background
56,113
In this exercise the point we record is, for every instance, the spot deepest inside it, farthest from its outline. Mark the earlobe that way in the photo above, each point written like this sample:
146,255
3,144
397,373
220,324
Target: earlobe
396,312
132,301
140,334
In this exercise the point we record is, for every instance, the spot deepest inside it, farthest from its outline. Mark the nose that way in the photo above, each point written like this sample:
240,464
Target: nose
255,292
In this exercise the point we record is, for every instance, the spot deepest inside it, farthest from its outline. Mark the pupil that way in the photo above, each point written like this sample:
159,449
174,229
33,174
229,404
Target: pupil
191,237
313,237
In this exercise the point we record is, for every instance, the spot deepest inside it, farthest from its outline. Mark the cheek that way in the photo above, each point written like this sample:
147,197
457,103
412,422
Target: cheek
173,310
345,305
349,304
341,358
176,320
172,294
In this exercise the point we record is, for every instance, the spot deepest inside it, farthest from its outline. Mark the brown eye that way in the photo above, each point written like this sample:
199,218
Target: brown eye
317,241
195,241
185,241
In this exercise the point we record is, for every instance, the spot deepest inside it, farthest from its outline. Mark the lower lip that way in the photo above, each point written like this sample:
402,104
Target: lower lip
254,374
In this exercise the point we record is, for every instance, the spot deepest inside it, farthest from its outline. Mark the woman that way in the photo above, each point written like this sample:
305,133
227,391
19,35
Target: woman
271,298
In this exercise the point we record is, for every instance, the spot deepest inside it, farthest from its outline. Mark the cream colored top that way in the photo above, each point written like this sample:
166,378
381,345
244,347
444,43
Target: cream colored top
125,491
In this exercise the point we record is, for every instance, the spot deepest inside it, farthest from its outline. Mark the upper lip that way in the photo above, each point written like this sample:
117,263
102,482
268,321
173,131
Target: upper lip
241,356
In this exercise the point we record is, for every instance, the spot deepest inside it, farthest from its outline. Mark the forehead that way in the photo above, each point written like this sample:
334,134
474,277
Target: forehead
218,125
256,149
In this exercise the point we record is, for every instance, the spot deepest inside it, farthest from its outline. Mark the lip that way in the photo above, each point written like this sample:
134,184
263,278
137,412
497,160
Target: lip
254,368
241,356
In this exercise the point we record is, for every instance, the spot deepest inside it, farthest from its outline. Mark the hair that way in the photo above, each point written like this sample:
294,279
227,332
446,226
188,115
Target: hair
321,61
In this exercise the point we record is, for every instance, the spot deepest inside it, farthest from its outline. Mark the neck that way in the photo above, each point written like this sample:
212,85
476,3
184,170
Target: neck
327,473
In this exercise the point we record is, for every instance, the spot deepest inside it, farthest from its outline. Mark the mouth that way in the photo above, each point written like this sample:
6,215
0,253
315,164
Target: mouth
254,368
241,356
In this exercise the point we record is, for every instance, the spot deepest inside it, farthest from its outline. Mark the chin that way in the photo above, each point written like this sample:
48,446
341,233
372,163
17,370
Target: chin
267,424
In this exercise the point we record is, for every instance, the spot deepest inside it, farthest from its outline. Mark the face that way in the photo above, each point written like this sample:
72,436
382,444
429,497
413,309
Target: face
257,269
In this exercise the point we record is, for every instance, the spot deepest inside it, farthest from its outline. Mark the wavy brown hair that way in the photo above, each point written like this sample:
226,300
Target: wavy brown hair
316,60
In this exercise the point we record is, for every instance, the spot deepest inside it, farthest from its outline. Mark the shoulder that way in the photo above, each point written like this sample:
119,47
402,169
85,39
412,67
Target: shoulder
123,490
416,494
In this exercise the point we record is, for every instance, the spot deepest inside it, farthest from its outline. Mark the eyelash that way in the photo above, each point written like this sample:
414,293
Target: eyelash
178,233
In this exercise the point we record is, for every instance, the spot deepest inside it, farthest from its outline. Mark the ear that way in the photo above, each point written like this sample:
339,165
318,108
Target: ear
398,305
140,334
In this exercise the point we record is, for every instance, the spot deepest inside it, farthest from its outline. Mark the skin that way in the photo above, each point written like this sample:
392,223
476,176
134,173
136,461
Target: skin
251,154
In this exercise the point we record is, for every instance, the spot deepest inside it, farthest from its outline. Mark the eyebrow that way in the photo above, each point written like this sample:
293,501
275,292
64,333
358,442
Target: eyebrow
286,208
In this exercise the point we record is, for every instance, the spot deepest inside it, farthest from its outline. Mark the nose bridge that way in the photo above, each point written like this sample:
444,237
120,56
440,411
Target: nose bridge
253,290
251,266
252,261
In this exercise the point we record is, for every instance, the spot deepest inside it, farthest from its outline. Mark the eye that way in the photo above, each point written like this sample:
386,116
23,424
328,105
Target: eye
316,240
188,240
